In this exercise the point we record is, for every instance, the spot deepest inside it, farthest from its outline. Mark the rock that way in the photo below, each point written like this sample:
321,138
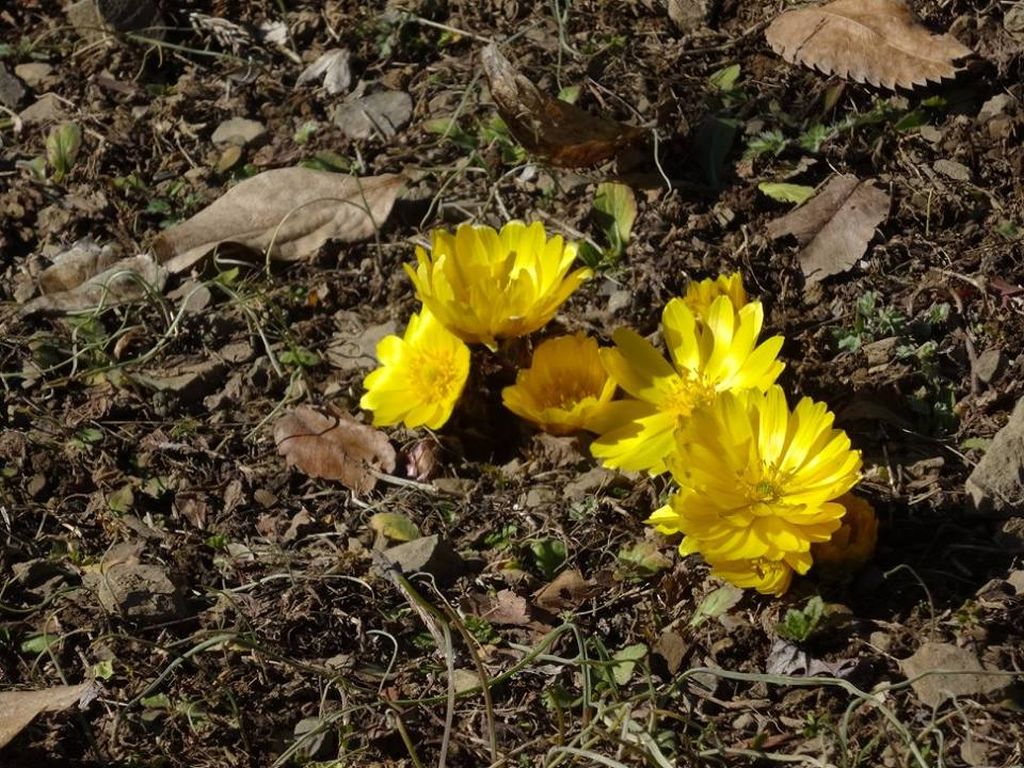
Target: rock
688,15
87,20
934,689
46,109
1000,104
33,73
589,483
132,16
996,485
952,169
139,592
430,554
11,89
382,114
987,366
238,131
39,576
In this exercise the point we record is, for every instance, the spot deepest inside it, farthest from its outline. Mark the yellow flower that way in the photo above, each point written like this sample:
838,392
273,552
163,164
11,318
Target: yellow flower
758,484
708,357
854,543
699,296
420,376
484,285
564,386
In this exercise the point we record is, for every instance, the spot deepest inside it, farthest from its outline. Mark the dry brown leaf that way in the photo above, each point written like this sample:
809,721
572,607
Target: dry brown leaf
835,226
568,590
19,708
334,447
561,133
880,42
124,281
289,212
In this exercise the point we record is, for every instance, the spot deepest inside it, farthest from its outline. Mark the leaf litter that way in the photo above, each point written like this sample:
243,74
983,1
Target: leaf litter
125,430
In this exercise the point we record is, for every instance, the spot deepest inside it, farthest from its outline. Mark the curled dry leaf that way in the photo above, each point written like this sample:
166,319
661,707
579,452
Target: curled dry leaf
334,447
835,227
19,708
289,212
563,134
333,67
880,42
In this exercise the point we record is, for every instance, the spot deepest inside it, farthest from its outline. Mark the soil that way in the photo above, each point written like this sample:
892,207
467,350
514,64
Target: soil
232,609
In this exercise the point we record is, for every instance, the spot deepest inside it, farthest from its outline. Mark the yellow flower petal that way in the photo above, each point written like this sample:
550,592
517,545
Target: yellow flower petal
420,377
485,285
565,387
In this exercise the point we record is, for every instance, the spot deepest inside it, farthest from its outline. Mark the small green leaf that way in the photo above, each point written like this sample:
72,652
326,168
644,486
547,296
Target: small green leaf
120,502
38,643
625,662
62,147
156,701
724,80
615,211
712,143
305,132
644,558
103,670
300,357
786,193
976,443
570,94
799,624
549,554
716,604
395,526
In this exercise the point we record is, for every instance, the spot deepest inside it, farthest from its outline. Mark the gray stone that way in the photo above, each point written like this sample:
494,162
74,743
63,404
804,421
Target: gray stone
969,678
238,131
952,169
139,592
33,73
11,89
429,554
46,109
382,114
996,485
988,365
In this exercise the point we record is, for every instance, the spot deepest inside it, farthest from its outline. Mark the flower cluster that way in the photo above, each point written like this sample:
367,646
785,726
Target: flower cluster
476,286
762,488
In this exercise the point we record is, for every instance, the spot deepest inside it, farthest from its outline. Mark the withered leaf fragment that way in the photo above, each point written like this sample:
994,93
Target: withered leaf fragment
334,447
19,708
881,42
835,226
555,130
288,212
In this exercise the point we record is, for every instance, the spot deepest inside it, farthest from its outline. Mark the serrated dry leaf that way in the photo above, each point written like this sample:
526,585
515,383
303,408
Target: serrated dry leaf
19,708
123,281
835,226
880,42
289,211
561,133
334,447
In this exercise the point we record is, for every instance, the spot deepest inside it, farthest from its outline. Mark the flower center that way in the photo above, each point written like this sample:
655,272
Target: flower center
686,394
436,375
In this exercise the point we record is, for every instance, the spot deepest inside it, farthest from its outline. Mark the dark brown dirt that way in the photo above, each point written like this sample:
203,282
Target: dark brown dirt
275,618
